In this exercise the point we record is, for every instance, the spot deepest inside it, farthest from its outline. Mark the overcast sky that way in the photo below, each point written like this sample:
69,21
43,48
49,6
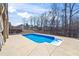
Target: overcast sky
19,11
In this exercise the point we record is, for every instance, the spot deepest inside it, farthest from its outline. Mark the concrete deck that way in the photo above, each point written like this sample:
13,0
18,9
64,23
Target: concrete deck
17,45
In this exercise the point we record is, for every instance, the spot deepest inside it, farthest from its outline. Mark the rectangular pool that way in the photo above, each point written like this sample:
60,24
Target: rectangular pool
39,38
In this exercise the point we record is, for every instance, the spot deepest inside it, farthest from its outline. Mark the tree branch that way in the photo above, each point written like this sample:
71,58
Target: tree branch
73,6
75,13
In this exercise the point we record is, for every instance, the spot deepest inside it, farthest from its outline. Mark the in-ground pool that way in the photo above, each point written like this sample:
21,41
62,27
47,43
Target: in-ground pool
39,38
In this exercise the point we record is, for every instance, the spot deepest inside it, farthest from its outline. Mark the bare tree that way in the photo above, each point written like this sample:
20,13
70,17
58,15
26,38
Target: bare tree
54,15
72,11
59,20
65,17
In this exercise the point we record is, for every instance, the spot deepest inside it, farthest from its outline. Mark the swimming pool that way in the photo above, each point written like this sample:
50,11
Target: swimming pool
39,38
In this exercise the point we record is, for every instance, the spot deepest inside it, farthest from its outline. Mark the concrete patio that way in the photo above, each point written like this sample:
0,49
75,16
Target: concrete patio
17,45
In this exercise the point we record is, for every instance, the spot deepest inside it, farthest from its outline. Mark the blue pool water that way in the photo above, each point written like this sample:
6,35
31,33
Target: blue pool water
41,38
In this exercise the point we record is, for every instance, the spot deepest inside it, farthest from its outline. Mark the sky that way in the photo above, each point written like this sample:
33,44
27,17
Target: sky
22,11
